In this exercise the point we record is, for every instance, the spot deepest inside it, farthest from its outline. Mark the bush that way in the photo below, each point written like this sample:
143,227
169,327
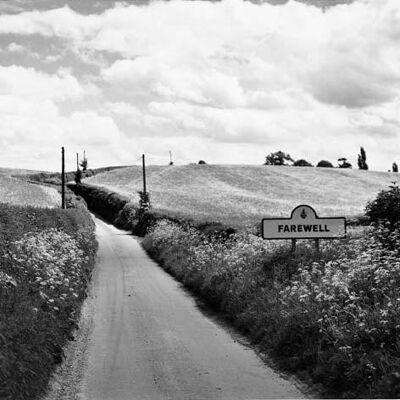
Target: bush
302,163
324,164
78,176
343,163
278,158
102,201
386,207
202,162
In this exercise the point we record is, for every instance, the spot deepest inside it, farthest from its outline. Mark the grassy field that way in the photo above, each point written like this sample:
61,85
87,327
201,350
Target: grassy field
240,195
17,171
17,192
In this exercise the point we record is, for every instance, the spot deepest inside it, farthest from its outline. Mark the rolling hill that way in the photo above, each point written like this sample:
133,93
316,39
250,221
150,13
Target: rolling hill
17,172
18,192
240,195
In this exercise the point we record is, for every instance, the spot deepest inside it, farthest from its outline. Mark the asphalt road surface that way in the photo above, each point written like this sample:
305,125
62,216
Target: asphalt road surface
150,340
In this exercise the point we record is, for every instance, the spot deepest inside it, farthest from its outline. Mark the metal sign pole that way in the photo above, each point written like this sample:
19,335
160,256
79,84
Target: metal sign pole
317,246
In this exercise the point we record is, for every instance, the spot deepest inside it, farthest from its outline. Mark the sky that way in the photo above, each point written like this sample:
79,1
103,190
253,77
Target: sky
226,82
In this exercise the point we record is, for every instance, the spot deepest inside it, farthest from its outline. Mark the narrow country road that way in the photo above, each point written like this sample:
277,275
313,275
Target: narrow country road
151,341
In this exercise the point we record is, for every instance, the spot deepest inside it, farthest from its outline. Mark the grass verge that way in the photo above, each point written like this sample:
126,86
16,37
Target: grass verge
46,259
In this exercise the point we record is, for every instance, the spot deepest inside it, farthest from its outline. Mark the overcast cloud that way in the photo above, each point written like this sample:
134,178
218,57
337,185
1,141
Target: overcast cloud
227,82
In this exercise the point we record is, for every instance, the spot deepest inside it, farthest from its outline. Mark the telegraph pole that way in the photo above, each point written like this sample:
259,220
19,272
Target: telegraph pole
77,161
62,177
144,174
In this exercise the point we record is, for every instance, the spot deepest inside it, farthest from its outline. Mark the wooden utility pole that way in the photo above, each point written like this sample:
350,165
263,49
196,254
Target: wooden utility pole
77,161
62,177
144,174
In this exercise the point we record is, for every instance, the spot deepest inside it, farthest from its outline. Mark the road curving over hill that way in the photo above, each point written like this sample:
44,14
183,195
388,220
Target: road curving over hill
150,340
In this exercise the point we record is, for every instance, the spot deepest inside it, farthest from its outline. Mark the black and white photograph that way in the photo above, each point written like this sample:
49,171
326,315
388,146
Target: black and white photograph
199,199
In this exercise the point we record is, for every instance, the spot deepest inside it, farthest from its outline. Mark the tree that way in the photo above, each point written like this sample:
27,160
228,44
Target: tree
362,159
395,168
278,158
386,206
324,164
84,162
78,176
202,162
302,163
343,163
144,200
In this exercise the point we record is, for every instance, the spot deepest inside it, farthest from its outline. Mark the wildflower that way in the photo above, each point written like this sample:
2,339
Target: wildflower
7,280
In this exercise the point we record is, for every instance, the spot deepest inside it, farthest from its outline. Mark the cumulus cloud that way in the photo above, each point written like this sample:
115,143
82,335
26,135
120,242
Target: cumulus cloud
29,83
232,73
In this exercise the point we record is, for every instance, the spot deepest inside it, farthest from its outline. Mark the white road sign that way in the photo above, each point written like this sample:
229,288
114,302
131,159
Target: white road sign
304,223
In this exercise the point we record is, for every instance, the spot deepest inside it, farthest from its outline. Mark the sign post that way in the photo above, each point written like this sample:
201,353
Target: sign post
304,223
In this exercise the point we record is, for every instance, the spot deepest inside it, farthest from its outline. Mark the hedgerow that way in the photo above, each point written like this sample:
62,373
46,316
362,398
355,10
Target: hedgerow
46,258
335,316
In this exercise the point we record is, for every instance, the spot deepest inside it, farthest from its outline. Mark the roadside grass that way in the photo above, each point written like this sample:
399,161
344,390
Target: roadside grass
334,317
241,195
17,192
46,258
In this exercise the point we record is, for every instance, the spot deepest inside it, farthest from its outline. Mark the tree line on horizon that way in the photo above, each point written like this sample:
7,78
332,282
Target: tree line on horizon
282,158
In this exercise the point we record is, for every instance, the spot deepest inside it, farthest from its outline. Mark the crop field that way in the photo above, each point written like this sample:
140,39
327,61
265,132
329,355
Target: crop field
240,195
18,192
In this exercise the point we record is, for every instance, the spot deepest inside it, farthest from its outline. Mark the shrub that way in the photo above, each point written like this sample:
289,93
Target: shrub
324,164
104,202
343,163
144,200
302,163
386,206
278,158
201,162
78,176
